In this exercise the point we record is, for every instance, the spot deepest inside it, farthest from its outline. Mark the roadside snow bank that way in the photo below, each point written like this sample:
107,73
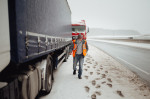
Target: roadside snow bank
131,44
103,78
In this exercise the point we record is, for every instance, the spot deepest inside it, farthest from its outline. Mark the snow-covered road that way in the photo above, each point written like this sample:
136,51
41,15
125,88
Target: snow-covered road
103,78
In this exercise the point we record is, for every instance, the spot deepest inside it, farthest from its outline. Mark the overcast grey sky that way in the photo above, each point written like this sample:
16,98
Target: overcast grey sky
113,14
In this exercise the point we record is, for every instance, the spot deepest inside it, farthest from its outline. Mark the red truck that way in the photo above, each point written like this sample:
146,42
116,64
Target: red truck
79,28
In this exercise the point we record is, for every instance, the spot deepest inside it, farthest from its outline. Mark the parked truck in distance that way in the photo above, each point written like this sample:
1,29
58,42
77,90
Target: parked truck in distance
34,40
79,28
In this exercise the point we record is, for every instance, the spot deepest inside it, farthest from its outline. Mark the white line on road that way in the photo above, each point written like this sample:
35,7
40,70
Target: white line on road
133,66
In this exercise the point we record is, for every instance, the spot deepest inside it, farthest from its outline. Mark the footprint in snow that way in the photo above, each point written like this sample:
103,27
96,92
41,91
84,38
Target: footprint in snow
103,76
87,89
109,79
94,66
98,93
106,71
98,86
101,68
88,66
93,96
86,77
110,85
98,73
103,82
85,69
97,78
91,73
120,93
93,82
87,61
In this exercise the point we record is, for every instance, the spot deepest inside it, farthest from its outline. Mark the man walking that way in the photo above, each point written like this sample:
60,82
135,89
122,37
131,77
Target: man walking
79,49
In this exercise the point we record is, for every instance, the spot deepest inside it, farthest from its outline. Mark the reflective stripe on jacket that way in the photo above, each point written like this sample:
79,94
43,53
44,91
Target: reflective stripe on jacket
75,48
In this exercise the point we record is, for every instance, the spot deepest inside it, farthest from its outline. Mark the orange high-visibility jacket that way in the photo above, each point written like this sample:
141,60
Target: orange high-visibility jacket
75,48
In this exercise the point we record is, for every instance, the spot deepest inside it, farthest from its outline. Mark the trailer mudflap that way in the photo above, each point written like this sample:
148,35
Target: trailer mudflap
29,81
39,77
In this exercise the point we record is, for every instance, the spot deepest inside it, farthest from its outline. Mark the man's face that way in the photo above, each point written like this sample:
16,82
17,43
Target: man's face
80,39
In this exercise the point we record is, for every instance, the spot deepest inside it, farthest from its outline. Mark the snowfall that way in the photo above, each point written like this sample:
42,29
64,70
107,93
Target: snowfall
103,78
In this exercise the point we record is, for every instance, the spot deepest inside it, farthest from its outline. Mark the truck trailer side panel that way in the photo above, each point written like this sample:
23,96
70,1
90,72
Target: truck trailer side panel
38,27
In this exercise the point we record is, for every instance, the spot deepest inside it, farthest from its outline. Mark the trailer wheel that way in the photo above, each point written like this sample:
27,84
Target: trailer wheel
66,55
65,60
49,75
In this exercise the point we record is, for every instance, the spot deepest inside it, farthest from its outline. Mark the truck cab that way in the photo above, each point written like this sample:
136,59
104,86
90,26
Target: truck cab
79,28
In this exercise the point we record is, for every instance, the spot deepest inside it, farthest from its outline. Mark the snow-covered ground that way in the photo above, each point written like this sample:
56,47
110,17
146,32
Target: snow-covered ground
127,37
103,78
132,44
111,37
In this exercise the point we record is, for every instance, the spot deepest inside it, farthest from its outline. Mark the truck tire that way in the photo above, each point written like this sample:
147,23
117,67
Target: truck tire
65,60
66,55
49,75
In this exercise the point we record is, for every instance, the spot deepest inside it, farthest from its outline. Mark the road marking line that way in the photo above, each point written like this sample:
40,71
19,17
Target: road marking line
133,66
